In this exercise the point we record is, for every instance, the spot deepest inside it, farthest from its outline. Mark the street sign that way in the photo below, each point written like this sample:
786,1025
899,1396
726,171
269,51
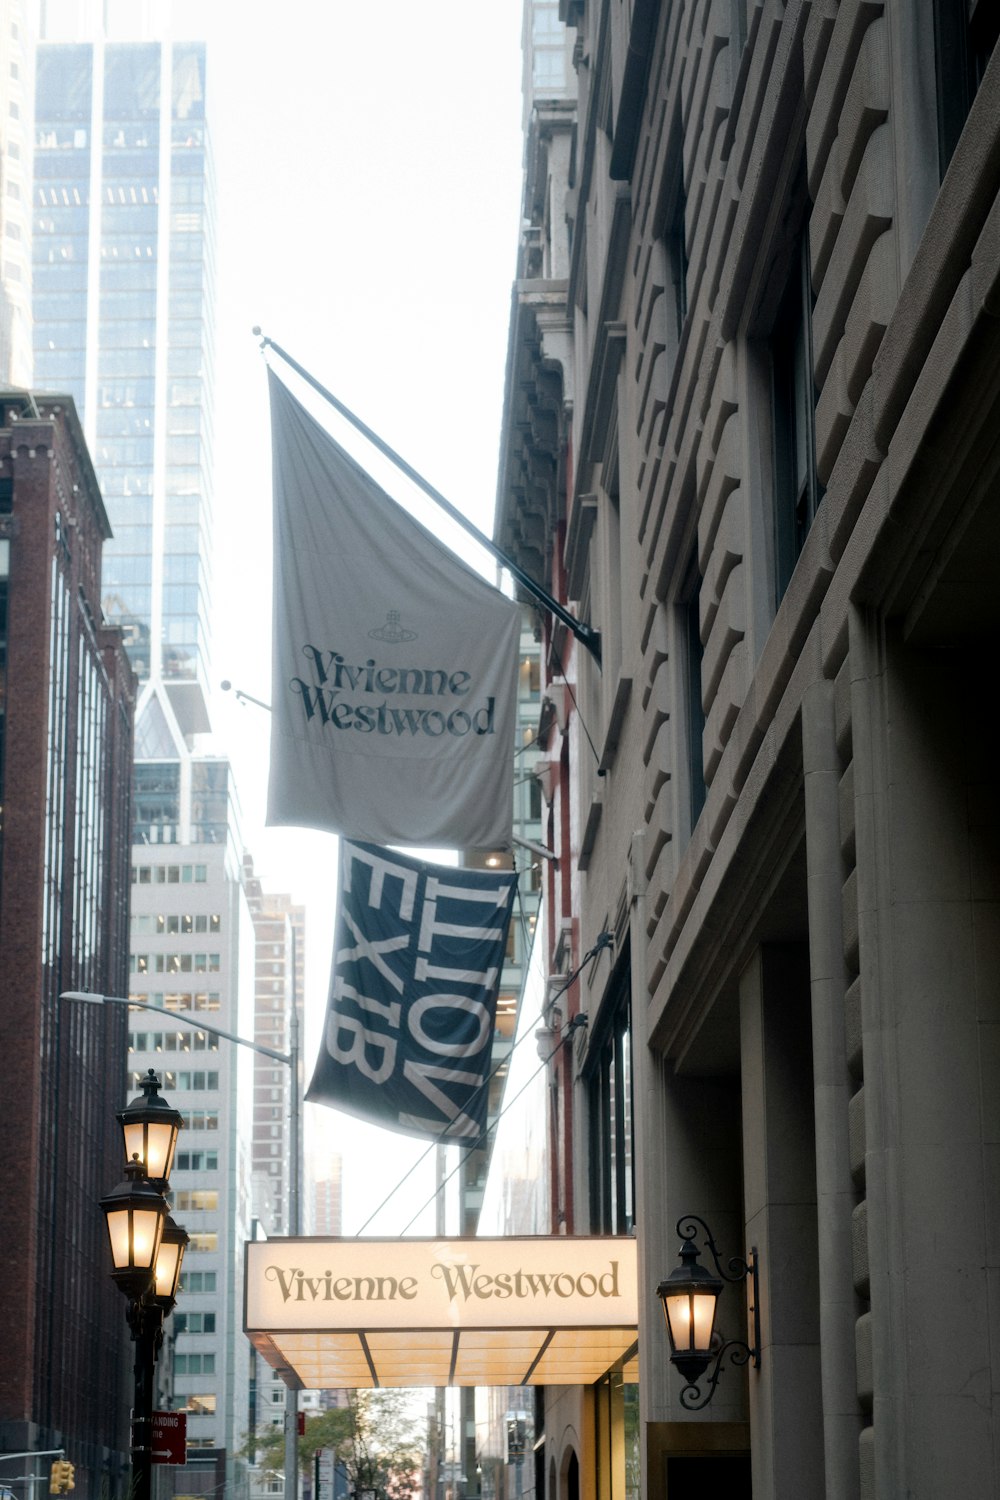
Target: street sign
325,1474
169,1437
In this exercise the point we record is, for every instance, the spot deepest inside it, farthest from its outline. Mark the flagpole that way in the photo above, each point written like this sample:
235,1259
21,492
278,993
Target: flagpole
588,637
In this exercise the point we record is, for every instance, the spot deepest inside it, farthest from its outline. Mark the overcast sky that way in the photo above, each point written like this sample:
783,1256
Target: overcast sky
368,184
368,180
368,162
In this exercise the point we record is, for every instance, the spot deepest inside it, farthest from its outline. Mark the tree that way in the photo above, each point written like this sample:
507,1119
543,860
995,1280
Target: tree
386,1450
327,1429
375,1437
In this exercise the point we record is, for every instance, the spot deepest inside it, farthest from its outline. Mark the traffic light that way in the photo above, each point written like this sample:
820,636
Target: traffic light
516,1437
60,1477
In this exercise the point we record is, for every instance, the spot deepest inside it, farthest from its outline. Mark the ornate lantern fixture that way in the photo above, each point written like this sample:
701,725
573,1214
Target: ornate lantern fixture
169,1260
690,1297
150,1129
135,1212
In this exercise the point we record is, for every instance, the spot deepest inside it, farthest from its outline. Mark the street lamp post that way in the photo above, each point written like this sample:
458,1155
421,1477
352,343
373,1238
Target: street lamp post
291,1061
147,1249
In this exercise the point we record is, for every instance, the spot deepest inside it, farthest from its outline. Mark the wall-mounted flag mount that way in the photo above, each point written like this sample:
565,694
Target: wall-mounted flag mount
394,664
418,950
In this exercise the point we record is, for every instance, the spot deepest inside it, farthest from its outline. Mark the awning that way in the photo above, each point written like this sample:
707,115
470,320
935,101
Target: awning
349,1313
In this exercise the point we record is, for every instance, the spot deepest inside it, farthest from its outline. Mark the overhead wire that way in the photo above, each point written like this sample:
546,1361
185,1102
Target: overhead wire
571,1030
604,940
560,668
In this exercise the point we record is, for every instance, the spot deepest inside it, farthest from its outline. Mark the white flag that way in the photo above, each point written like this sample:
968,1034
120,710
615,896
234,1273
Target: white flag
394,665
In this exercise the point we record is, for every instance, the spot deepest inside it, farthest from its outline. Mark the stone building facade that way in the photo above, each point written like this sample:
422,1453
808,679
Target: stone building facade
751,434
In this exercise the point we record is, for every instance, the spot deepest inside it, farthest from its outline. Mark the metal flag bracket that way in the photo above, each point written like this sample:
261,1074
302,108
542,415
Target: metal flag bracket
588,637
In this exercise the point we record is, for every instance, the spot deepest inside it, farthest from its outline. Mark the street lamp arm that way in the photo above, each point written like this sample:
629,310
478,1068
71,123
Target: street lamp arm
198,1025
33,1453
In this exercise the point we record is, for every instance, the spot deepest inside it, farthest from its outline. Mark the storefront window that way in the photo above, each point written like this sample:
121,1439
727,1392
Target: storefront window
616,1433
610,1097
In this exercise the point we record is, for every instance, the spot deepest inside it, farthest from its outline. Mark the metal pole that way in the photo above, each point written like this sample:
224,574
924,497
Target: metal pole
295,1228
294,1137
175,1015
290,1059
146,1324
584,633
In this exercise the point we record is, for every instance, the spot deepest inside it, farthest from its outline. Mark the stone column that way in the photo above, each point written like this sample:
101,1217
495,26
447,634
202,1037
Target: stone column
779,1175
929,918
835,1192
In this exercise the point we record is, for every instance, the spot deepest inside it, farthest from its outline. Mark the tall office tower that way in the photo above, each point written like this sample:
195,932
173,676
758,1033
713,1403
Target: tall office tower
123,264
279,934
123,260
279,931
328,1200
66,700
192,958
15,195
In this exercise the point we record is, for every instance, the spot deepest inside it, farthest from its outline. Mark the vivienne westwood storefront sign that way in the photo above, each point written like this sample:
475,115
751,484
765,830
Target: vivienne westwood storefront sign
321,1285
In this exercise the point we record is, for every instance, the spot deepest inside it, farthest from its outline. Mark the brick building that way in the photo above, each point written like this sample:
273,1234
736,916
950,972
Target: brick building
751,434
66,713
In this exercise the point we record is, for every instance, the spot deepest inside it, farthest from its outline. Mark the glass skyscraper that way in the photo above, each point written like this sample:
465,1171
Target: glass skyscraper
123,265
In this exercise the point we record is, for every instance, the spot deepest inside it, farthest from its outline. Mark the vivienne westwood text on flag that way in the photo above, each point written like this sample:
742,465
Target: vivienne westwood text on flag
394,664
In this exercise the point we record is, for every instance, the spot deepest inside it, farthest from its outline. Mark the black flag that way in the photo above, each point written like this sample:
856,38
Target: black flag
418,951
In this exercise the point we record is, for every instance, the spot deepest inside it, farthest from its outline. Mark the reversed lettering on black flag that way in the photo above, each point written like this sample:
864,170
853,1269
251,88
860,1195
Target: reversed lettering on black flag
418,951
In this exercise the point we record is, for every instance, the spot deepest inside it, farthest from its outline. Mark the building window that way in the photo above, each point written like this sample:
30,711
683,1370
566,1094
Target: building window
203,1242
194,1322
609,1082
197,1161
198,1405
185,1080
739,25
194,1364
797,490
670,262
965,34
191,1200
186,963
677,258
6,505
692,652
197,1281
169,874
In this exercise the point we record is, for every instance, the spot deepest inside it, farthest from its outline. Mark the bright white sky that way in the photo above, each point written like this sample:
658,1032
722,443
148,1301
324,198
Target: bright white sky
368,162
368,184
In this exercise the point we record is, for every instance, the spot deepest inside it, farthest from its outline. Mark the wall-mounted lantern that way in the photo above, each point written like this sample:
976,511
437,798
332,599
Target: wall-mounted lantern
690,1297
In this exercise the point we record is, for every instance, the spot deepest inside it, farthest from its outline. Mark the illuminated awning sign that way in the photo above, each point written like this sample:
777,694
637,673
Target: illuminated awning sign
441,1312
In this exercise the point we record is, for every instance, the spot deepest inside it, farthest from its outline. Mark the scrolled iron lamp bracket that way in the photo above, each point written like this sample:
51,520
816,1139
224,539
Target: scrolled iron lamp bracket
690,1298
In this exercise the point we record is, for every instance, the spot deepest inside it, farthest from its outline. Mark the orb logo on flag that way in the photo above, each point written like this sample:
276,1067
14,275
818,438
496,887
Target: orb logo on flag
392,631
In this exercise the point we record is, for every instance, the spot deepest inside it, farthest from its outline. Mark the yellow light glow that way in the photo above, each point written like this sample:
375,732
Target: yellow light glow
118,1234
167,1268
146,1224
691,1316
